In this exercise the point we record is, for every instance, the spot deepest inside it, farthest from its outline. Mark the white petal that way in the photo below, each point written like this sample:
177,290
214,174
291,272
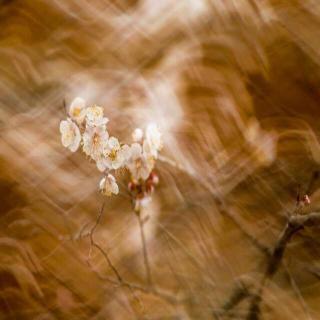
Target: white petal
98,129
136,150
114,188
111,178
77,110
70,135
101,165
102,183
76,143
149,149
123,156
101,121
78,102
109,185
151,131
137,135
64,125
153,136
117,163
113,143
145,172
108,163
125,152
65,141
94,116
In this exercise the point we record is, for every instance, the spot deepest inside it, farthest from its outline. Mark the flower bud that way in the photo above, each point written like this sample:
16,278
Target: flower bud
137,135
154,178
132,186
149,187
306,200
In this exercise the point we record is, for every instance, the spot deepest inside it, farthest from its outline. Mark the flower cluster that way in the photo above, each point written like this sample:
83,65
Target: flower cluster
86,127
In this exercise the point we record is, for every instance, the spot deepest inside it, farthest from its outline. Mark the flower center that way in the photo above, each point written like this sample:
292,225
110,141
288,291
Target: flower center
97,112
113,154
138,163
76,112
95,139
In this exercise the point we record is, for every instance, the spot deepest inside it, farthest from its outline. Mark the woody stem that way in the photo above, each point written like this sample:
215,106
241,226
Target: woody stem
144,248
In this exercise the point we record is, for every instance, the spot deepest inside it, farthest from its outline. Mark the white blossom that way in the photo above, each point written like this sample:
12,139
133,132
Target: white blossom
95,140
109,153
77,110
137,135
115,155
153,142
94,116
70,135
108,185
139,164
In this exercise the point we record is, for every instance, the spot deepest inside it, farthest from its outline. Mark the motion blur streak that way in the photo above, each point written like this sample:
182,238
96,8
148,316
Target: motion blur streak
234,86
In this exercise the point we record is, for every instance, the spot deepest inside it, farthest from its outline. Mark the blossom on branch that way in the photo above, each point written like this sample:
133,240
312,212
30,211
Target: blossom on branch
153,142
139,164
88,125
95,140
94,116
108,185
70,135
115,155
137,135
77,110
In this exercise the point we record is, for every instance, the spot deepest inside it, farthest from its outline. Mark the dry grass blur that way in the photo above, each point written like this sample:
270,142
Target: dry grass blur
234,86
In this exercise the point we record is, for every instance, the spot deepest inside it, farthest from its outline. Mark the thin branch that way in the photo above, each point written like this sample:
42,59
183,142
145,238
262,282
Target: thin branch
94,244
144,248
240,293
105,255
120,281
162,294
64,105
294,225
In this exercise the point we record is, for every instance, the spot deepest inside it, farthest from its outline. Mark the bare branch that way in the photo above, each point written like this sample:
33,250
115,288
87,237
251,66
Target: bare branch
94,244
144,248
120,282
241,292
294,225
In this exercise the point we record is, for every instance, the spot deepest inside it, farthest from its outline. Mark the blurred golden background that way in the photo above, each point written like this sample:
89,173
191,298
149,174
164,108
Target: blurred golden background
234,86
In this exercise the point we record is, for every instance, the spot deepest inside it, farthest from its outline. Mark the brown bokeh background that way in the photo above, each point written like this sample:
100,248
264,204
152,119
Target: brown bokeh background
234,86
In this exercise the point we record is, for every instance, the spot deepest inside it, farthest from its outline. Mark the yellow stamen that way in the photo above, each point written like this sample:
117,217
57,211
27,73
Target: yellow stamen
113,154
76,112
